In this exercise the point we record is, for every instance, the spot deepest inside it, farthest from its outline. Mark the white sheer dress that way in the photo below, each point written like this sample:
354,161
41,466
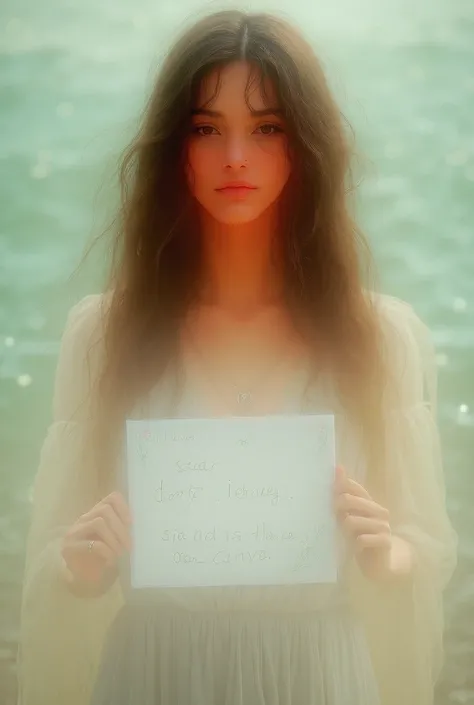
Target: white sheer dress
352,643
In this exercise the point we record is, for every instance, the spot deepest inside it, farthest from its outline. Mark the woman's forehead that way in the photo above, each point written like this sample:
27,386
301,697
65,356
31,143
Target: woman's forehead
237,81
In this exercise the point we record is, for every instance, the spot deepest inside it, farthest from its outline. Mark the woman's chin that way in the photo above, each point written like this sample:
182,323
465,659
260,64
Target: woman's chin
236,215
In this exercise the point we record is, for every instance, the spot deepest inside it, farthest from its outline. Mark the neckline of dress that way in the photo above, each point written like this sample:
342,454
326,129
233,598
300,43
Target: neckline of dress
304,392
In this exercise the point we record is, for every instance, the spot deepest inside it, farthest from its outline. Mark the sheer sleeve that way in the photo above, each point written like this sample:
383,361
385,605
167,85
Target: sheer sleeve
62,635
404,620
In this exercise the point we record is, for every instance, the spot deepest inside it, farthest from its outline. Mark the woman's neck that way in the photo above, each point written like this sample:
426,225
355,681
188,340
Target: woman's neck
241,265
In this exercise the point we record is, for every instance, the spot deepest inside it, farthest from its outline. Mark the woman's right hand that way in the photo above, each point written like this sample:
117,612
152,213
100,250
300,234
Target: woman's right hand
93,544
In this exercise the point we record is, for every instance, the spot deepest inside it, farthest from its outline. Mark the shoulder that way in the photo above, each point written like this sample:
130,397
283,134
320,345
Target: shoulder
401,325
407,345
86,319
81,354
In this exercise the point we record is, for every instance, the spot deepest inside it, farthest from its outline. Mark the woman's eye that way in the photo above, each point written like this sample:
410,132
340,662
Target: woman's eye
269,129
204,130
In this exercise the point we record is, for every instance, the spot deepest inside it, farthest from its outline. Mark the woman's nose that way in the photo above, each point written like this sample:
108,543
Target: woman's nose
235,156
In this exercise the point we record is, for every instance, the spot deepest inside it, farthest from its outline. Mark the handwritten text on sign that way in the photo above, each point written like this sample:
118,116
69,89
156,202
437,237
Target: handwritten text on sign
241,501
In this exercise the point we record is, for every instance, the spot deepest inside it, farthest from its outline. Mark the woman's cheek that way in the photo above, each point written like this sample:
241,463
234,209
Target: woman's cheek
201,167
194,161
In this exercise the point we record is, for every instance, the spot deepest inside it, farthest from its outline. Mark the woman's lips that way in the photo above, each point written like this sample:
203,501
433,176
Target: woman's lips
236,189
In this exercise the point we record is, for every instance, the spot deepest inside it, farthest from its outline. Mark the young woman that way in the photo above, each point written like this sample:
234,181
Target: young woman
237,289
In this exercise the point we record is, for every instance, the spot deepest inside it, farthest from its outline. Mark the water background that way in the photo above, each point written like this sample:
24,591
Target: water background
73,77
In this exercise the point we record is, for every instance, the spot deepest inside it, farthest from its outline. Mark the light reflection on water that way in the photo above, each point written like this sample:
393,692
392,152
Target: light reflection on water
403,72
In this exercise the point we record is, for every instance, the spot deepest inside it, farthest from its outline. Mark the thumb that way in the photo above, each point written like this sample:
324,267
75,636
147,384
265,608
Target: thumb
340,476
340,473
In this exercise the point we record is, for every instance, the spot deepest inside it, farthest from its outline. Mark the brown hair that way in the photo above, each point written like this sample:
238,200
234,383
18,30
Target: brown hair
156,250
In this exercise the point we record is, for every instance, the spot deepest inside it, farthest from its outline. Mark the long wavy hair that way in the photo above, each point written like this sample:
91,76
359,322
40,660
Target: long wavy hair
156,249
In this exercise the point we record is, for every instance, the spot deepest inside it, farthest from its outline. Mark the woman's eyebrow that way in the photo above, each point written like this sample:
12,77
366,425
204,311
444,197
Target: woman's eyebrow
256,113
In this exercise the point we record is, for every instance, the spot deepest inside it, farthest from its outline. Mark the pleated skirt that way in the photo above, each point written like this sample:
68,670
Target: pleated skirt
158,656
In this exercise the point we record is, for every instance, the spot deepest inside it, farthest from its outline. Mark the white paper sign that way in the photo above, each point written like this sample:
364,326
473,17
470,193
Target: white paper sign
235,501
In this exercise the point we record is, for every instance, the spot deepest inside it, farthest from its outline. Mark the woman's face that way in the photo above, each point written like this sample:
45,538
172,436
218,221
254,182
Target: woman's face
238,156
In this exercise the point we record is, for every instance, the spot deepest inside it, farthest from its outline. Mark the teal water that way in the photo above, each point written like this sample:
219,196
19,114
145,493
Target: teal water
72,81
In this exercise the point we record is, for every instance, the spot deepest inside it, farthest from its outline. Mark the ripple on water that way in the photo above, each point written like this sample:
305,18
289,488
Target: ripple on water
411,86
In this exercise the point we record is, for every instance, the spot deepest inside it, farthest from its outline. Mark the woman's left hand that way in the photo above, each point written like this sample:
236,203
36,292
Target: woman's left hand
366,525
